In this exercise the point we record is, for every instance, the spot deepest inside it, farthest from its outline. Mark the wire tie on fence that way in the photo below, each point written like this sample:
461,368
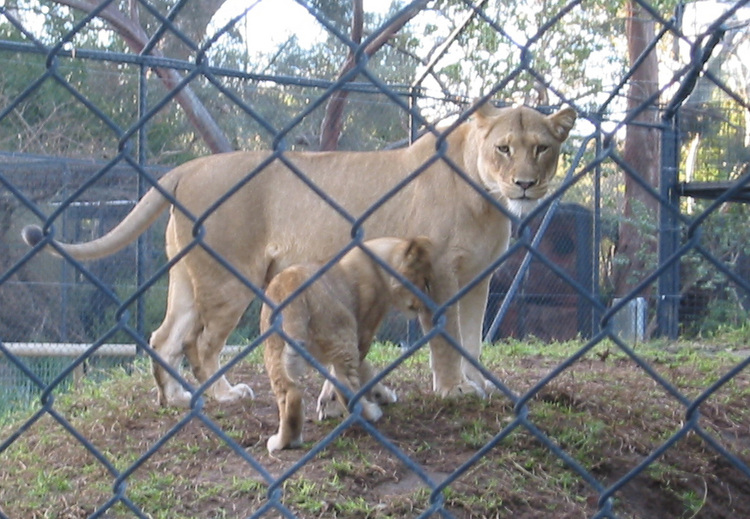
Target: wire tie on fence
275,493
118,489
197,402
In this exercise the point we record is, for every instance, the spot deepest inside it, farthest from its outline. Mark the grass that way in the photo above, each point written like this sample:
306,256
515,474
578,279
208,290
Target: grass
604,411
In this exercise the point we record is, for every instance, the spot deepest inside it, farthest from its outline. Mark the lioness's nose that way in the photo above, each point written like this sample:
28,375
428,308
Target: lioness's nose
525,184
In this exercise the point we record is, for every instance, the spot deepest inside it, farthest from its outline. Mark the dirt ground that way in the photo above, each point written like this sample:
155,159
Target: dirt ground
606,413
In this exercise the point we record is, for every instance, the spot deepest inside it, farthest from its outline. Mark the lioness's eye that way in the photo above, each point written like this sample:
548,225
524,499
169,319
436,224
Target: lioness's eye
541,148
504,149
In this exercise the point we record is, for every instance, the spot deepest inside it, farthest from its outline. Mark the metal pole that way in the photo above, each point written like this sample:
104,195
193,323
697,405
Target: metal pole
585,271
596,314
141,243
668,302
413,128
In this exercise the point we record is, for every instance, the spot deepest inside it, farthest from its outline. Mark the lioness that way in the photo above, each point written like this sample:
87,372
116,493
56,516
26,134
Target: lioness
335,319
253,211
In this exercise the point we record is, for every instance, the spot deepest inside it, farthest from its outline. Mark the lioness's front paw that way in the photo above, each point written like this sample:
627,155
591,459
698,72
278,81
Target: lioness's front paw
485,384
472,374
243,391
274,443
466,387
490,388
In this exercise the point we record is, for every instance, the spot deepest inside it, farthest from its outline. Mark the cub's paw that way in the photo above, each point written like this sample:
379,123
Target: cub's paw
237,392
176,397
383,395
274,443
466,387
371,411
329,406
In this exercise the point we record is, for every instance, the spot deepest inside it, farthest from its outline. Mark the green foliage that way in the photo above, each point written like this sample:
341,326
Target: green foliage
565,53
717,132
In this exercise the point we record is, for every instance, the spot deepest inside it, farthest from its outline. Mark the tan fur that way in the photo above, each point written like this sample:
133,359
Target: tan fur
275,220
335,319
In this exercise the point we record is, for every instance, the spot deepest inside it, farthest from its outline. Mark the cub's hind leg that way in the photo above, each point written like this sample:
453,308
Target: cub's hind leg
330,405
380,393
346,369
285,367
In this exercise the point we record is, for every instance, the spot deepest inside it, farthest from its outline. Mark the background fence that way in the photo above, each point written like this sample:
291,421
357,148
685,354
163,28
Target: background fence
646,216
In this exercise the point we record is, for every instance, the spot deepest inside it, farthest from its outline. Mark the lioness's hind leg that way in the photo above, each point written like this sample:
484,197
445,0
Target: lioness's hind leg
219,314
179,326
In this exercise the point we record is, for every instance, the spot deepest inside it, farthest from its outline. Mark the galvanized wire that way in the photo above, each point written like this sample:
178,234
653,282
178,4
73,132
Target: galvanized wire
399,95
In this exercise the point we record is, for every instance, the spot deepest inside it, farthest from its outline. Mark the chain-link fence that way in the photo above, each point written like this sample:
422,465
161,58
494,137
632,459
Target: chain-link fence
642,235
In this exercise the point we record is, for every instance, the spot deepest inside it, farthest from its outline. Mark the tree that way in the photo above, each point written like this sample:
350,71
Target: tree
513,44
635,249
332,121
129,27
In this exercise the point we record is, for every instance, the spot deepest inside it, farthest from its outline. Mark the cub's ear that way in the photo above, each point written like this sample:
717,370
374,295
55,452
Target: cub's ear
562,121
418,262
418,252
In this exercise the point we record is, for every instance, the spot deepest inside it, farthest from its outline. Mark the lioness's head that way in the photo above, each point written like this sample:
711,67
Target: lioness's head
517,151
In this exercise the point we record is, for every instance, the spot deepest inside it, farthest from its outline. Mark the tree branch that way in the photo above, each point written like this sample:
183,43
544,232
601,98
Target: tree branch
136,38
330,128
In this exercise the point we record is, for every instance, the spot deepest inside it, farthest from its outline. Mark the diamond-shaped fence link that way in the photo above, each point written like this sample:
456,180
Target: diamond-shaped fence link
100,100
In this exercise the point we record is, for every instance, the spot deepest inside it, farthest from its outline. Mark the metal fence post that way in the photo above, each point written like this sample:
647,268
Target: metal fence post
668,302
142,187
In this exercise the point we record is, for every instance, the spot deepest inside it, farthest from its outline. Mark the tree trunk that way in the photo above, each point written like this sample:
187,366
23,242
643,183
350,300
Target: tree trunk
636,248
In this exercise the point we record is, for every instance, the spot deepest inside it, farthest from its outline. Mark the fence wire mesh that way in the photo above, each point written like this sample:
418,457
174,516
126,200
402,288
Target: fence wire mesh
99,100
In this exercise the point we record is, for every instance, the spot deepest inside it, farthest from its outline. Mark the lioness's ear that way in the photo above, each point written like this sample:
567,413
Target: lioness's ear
485,110
562,121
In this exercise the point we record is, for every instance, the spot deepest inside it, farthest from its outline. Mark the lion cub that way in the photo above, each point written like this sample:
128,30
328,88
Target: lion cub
335,319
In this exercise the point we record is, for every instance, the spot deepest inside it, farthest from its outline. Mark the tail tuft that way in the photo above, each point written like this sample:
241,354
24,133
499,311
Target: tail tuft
32,235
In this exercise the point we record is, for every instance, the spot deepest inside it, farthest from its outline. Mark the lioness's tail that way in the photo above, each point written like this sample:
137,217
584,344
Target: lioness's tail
133,225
